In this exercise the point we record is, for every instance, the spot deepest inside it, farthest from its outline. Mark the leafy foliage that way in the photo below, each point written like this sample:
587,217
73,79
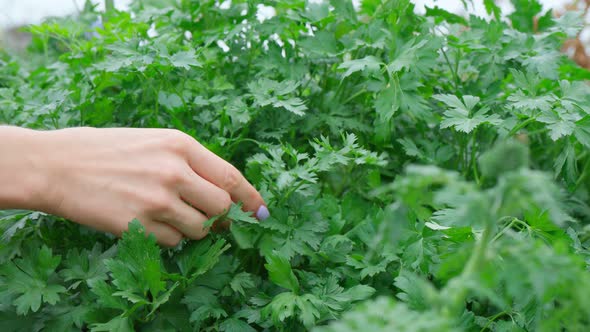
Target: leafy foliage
424,173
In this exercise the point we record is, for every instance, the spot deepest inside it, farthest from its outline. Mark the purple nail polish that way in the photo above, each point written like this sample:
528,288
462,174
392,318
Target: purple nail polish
262,213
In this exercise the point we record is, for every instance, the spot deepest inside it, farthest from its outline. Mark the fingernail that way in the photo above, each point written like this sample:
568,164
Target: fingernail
262,213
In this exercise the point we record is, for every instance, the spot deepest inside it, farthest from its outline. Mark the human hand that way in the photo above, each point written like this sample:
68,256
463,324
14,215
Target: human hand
104,178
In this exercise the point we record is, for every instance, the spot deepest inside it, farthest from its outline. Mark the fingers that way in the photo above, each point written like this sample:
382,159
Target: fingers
204,195
165,234
186,220
225,176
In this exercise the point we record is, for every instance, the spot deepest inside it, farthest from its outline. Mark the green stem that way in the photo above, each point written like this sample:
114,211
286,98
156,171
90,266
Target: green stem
492,319
456,289
520,126
582,176
109,5
476,174
291,190
360,92
477,257
455,76
473,159
240,140
464,154
457,61
505,229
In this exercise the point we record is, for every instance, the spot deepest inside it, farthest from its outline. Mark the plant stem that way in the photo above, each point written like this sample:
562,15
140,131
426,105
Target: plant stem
456,289
509,226
477,257
520,126
492,319
473,159
358,93
109,5
582,176
455,76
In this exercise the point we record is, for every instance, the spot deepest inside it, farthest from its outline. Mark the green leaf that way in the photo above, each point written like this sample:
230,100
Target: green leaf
269,92
582,131
532,104
443,15
388,102
368,63
504,157
30,280
492,8
522,17
119,323
281,307
323,43
384,314
570,23
104,293
279,272
234,324
170,100
137,267
199,257
204,304
559,125
235,214
462,122
344,9
459,115
358,293
317,11
86,266
241,282
185,59
408,56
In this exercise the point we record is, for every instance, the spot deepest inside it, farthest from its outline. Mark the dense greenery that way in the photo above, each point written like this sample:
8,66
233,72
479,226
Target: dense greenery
423,172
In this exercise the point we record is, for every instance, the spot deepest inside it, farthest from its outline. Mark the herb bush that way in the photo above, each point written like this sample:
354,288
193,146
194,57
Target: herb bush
423,172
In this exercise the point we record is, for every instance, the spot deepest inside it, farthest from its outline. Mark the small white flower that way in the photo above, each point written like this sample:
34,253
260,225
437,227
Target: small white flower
225,5
223,46
152,31
265,12
277,39
309,29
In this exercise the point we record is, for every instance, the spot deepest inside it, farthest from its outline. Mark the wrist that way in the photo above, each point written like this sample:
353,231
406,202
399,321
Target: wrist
24,179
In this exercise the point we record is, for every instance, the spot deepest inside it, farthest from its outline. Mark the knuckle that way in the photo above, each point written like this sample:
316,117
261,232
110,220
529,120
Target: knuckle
172,175
232,178
176,141
157,204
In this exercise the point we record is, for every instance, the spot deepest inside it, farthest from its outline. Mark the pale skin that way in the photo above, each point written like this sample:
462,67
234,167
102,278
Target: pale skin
104,178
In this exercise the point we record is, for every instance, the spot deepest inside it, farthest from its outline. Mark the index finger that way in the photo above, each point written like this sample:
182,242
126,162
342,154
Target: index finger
214,169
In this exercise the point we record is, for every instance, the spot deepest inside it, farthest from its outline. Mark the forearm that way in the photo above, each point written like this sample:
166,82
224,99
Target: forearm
22,178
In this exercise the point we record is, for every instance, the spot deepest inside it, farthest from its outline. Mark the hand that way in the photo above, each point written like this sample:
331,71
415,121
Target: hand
104,178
